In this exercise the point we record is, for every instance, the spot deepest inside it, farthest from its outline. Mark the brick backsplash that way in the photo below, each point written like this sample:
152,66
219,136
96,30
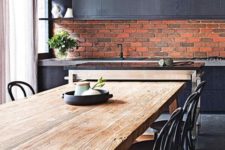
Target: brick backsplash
147,38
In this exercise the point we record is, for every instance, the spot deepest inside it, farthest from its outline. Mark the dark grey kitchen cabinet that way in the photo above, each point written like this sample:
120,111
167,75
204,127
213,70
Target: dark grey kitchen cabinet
50,77
119,8
148,9
207,7
173,7
222,7
86,8
134,8
213,98
130,9
213,95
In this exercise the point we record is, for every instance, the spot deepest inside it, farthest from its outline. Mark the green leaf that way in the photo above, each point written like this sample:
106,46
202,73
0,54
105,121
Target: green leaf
100,83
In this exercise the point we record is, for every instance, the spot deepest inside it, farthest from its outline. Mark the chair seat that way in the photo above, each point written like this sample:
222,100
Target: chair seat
158,125
145,145
146,137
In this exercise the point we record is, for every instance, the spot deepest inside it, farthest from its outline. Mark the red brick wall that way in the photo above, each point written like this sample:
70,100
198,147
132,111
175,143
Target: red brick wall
144,38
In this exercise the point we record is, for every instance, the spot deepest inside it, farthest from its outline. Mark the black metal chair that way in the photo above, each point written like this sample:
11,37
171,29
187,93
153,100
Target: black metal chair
190,121
169,137
157,125
200,87
187,124
21,85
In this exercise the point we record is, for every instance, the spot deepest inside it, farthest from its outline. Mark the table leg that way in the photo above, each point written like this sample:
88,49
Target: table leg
71,77
173,106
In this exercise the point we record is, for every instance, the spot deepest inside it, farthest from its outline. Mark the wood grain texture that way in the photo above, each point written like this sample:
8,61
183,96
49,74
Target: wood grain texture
173,106
172,75
44,121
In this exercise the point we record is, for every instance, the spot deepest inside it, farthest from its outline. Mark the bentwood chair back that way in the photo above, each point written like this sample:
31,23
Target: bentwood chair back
157,125
190,100
200,87
190,107
21,85
169,137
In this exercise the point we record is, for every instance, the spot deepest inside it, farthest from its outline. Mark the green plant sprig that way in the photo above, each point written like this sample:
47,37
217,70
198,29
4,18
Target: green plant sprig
100,83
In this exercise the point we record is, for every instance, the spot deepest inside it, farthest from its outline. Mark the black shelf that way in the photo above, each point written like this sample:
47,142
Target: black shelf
147,17
54,19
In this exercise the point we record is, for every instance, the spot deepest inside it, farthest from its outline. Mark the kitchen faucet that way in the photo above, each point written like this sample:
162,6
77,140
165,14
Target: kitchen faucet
121,50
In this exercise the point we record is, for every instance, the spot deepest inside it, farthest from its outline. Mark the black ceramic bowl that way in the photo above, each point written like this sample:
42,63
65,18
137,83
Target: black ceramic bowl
70,99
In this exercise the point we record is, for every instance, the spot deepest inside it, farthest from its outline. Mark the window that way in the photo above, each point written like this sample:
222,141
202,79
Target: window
43,27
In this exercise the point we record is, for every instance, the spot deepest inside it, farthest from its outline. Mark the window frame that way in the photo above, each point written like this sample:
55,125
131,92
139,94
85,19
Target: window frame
48,54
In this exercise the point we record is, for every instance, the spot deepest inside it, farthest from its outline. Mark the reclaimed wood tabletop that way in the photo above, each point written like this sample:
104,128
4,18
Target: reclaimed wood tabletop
44,121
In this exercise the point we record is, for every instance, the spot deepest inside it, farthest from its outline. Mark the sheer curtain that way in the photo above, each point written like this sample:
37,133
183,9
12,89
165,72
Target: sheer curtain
21,55
3,48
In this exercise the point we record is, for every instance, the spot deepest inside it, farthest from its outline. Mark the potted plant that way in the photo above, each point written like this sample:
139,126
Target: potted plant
62,42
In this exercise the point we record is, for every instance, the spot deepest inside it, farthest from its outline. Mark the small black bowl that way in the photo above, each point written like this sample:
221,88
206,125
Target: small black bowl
70,99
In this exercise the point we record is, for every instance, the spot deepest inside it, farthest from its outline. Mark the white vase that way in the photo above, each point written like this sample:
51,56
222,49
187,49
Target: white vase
56,11
69,13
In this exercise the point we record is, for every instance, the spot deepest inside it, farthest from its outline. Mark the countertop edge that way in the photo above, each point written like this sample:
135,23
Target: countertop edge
63,63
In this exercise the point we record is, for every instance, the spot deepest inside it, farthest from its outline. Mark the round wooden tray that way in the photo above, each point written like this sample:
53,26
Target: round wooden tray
70,99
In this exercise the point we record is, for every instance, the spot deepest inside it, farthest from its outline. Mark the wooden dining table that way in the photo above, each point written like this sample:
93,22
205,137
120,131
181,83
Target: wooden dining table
44,121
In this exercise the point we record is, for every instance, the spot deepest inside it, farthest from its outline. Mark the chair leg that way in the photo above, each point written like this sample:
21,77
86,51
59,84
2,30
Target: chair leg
191,144
155,135
186,144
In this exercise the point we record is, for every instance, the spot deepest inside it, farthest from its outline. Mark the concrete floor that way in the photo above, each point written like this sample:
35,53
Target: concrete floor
211,134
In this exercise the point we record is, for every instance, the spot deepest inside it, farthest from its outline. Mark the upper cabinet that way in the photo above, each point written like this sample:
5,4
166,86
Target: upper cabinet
131,9
172,7
207,8
87,8
119,8
146,9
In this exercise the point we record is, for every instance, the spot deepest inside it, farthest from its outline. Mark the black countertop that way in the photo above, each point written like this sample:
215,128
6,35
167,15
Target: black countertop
188,65
211,61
